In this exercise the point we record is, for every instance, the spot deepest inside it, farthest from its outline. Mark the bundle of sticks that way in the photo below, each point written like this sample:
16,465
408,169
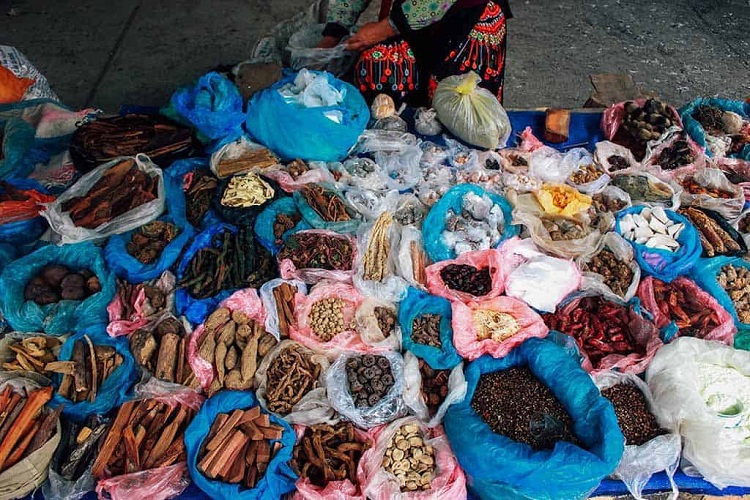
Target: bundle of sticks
162,351
239,447
25,423
31,354
248,160
283,296
145,434
85,372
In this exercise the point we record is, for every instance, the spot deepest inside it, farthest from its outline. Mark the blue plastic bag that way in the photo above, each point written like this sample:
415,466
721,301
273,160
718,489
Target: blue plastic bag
196,310
135,271
416,304
173,186
695,129
113,392
278,479
434,223
664,264
317,222
498,467
264,223
17,144
213,106
291,130
66,315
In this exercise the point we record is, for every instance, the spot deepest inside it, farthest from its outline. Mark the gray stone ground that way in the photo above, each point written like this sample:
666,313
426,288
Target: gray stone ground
105,53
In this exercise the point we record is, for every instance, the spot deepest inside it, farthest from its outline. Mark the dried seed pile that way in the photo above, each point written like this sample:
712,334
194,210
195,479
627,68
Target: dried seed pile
386,318
327,318
585,174
736,281
149,240
370,378
233,343
425,330
144,435
518,405
55,283
378,248
679,304
495,325
78,445
239,447
434,386
88,368
328,205
32,354
617,274
201,186
291,375
248,160
328,453
122,188
637,423
233,260
25,423
320,251
283,223
283,296
410,459
467,279
714,238
162,351
600,327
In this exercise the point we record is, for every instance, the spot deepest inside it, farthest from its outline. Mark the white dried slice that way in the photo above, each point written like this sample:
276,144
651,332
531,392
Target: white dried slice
657,226
643,232
639,221
660,214
675,229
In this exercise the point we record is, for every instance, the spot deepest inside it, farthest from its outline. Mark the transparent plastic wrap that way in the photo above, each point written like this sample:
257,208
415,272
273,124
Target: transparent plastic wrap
387,141
700,391
410,260
460,156
372,203
470,112
426,122
402,168
269,302
394,123
391,287
312,275
316,173
58,487
390,407
303,52
434,154
369,329
469,336
714,178
313,407
364,173
658,155
413,391
639,463
738,171
449,482
143,312
409,211
527,267
623,252
233,151
546,164
491,260
61,223
313,218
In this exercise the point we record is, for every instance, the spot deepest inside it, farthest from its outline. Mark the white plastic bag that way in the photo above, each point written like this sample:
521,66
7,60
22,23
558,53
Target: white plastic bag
639,463
402,168
470,112
388,141
413,391
312,90
606,156
372,203
390,407
580,157
303,52
701,389
546,164
20,66
404,266
63,225
369,330
729,208
426,122
363,173
622,251
269,303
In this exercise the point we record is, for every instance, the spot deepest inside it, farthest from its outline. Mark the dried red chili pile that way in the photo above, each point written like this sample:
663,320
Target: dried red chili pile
679,304
599,326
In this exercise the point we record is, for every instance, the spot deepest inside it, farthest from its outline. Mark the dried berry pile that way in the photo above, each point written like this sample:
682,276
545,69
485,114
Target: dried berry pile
328,453
149,240
467,279
369,377
518,405
55,283
283,223
425,329
434,386
637,423
327,318
617,274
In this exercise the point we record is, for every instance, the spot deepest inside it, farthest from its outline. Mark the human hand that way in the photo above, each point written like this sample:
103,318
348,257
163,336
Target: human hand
328,42
370,34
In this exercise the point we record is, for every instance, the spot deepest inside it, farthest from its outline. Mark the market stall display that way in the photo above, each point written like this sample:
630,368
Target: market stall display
351,311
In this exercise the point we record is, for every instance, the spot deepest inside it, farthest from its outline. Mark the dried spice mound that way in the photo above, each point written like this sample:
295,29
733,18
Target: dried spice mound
518,405
319,251
676,155
328,205
291,375
149,240
425,329
327,318
410,459
617,274
370,378
386,318
283,223
200,190
434,386
328,453
637,423
467,279
736,281
617,162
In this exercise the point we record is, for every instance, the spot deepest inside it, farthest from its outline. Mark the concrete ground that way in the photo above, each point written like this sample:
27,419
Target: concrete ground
105,53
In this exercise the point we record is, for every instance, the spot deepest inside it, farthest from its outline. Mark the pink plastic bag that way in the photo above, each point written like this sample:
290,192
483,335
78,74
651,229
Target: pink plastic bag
738,171
348,340
290,184
449,482
245,300
288,271
334,490
654,150
480,259
465,330
724,332
144,312
154,484
529,142
613,116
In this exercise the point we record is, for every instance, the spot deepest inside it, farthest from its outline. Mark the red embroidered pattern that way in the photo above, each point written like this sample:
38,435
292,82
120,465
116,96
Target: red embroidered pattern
387,67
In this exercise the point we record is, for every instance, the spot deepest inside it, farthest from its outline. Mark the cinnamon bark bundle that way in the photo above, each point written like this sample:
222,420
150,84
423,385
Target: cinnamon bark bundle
283,296
30,354
145,434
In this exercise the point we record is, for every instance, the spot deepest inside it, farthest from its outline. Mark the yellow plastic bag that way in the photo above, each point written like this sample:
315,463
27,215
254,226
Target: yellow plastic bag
559,199
471,113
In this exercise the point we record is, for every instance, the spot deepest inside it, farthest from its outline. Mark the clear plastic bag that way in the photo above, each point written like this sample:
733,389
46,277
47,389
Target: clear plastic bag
269,303
623,251
289,271
303,52
61,223
316,174
390,407
413,391
714,178
409,211
372,203
647,189
369,329
387,141
156,484
470,112
58,487
639,463
546,164
426,122
231,151
394,123
614,158
364,173
411,242
580,157
402,168
392,287
695,388
655,149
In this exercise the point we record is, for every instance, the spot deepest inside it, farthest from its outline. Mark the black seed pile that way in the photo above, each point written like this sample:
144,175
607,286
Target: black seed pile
467,279
637,423
370,378
518,405
425,330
